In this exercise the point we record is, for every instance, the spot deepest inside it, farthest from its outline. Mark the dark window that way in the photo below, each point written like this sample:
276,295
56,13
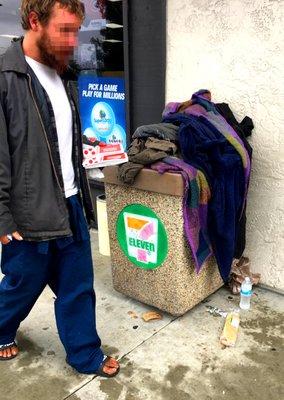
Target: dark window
101,37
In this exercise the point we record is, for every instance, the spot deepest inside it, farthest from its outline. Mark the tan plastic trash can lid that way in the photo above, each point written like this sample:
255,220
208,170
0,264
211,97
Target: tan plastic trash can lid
142,236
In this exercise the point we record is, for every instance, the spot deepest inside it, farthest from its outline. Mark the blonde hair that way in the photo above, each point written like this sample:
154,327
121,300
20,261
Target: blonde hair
43,9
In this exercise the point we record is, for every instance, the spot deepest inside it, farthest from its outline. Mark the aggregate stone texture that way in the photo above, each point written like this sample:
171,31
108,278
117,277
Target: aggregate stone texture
173,287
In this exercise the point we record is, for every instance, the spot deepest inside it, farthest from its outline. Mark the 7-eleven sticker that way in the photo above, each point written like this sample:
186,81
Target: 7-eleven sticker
141,237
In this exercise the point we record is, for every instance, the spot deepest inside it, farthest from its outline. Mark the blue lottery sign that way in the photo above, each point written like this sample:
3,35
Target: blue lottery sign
102,109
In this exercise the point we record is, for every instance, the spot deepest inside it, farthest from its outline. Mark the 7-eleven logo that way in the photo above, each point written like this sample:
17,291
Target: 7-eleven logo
142,237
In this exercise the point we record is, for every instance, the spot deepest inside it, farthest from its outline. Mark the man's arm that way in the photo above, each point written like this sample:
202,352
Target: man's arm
7,224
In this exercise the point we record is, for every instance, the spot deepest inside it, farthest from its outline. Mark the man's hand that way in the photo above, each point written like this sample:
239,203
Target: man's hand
5,239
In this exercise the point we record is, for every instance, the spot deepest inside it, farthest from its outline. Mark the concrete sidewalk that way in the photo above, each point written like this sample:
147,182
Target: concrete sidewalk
171,359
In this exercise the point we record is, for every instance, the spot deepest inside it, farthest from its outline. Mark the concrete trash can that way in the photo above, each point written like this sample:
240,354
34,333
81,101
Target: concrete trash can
150,258
103,235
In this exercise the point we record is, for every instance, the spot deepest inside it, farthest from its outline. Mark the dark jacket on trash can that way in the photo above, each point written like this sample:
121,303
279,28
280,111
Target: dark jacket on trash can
244,130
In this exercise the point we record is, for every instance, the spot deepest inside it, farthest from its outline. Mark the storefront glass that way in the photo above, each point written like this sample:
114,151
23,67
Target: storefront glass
100,39
101,36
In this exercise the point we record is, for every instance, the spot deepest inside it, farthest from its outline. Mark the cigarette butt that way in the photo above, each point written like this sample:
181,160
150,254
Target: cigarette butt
10,237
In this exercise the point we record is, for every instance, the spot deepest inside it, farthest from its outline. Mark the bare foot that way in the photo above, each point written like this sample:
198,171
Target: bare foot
9,352
111,366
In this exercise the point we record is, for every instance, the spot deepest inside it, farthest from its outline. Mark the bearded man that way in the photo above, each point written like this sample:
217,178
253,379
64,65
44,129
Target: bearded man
45,202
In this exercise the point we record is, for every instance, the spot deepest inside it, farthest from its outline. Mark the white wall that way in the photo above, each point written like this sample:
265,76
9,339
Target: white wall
235,49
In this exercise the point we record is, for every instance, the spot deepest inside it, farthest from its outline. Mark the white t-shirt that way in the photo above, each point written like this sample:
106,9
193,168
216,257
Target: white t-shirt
54,87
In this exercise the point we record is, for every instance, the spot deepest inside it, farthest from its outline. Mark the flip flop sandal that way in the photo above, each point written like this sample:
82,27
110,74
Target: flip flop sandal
100,371
5,347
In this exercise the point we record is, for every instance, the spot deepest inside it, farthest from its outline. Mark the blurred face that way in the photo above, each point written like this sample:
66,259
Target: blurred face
57,39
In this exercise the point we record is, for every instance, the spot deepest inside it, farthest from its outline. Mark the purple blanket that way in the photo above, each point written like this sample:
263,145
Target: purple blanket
195,205
211,145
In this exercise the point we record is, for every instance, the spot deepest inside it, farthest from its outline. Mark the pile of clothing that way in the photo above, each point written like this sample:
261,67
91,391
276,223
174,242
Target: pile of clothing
150,143
203,142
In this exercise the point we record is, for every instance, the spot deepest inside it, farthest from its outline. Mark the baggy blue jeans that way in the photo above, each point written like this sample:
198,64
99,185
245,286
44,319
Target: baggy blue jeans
66,266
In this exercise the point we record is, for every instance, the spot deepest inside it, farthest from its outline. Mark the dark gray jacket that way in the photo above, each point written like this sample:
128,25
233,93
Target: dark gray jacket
32,199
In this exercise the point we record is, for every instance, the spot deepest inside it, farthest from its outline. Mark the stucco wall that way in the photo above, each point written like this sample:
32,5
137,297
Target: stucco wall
235,49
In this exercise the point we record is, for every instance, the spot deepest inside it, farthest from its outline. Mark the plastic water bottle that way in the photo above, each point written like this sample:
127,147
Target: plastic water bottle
246,294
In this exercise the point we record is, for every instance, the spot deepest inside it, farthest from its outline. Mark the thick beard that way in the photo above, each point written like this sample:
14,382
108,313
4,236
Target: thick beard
47,57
